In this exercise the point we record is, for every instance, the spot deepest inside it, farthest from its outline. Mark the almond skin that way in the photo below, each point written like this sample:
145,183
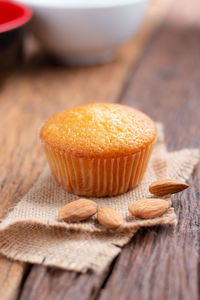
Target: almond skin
148,208
109,217
78,210
164,187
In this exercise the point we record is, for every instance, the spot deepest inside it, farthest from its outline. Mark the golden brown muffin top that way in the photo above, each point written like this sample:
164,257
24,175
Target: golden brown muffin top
99,130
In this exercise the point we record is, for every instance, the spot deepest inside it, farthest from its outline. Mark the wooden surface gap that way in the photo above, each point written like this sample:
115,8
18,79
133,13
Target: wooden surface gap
24,278
108,274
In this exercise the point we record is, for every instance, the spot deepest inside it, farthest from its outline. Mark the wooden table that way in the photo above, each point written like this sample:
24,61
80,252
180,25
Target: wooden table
159,73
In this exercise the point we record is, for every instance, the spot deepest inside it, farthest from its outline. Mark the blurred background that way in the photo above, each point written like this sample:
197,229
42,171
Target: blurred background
70,52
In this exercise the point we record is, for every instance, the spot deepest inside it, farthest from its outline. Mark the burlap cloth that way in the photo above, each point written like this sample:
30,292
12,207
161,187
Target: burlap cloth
32,233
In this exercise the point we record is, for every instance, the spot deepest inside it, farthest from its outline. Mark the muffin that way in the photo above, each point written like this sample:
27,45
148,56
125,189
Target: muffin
98,149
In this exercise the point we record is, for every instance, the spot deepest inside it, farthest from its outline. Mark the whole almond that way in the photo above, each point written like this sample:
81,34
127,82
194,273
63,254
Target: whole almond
164,187
148,208
78,210
109,218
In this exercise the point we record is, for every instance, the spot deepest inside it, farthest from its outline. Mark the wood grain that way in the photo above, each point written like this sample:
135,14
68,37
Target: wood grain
49,283
10,278
162,263
30,95
159,263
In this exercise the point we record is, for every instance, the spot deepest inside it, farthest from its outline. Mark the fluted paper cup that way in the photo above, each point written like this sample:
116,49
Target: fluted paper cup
98,177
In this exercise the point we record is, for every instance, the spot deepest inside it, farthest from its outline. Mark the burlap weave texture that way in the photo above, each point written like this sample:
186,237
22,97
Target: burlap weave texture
32,233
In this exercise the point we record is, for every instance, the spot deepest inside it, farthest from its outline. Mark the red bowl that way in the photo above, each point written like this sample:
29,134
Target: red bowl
13,18
13,15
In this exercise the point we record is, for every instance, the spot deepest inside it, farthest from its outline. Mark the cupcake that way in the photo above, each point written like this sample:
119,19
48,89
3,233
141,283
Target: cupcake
98,149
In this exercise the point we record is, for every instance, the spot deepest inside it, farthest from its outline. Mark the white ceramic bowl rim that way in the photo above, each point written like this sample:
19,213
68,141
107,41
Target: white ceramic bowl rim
79,4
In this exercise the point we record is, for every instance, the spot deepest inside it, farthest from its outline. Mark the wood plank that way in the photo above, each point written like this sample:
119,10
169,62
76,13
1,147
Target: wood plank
27,97
159,263
10,278
162,263
51,284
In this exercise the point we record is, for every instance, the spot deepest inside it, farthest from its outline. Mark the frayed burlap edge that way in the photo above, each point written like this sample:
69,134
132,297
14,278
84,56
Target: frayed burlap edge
32,233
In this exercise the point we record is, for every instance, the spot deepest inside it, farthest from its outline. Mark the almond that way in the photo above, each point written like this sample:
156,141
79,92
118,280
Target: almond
148,208
167,186
109,218
78,210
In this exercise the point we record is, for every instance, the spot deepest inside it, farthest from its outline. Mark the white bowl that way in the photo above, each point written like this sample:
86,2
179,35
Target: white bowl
85,31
